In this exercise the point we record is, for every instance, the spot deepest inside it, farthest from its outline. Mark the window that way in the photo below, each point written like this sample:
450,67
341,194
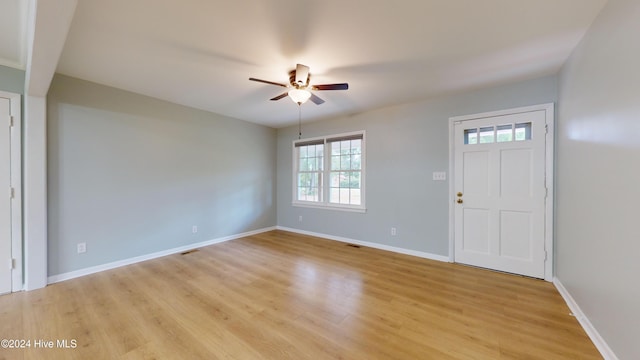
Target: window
310,168
500,133
329,172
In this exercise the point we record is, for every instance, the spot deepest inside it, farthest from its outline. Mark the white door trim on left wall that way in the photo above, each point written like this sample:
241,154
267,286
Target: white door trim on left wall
16,185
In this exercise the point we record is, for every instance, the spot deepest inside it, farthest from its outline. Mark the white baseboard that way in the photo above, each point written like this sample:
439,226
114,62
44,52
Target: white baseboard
420,254
591,331
137,259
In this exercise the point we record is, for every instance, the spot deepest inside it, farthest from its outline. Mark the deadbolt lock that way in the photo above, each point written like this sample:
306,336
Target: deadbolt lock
459,194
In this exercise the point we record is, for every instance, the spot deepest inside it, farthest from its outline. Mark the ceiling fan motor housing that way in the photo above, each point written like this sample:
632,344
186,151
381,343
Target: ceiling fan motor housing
292,80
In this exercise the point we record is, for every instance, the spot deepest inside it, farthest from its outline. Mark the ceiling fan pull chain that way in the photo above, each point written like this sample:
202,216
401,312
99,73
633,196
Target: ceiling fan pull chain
299,122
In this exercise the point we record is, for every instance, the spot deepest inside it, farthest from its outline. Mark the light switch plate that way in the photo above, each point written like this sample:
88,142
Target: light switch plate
439,176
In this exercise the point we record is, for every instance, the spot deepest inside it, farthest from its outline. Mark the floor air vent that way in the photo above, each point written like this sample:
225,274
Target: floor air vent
189,252
354,245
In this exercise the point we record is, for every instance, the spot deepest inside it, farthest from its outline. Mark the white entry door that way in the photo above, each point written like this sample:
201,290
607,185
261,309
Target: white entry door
5,197
500,192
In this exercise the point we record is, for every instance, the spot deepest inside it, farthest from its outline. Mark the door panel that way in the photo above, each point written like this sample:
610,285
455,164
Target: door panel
515,235
499,184
476,165
515,173
476,226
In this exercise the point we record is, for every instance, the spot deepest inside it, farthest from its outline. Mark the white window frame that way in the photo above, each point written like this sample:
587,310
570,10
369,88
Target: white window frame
324,201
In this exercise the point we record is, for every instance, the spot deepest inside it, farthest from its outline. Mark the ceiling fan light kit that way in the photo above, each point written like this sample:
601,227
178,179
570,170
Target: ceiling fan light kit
300,89
299,96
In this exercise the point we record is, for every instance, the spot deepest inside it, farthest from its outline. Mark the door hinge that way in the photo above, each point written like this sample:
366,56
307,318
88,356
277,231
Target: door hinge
545,255
12,193
10,121
12,264
546,128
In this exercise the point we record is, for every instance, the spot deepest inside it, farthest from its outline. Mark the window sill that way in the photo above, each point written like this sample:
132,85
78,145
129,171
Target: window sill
330,207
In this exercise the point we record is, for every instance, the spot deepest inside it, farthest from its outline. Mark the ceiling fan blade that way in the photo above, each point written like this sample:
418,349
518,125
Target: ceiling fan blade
343,86
268,82
316,100
280,96
302,74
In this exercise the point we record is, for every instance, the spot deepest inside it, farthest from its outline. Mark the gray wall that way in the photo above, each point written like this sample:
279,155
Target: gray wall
598,176
404,145
11,80
130,175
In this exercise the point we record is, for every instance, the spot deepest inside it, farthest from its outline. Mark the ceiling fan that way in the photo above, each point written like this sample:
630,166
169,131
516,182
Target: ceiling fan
300,90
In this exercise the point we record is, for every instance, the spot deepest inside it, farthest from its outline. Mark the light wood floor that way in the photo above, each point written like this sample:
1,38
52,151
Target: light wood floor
280,295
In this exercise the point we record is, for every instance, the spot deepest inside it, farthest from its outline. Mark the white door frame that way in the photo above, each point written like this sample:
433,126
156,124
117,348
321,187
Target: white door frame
16,184
549,142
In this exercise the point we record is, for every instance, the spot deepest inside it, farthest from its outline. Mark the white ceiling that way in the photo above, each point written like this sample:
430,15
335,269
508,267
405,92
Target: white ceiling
200,53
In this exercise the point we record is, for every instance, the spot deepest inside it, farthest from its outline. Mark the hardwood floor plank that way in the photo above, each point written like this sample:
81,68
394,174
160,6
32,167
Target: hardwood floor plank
280,295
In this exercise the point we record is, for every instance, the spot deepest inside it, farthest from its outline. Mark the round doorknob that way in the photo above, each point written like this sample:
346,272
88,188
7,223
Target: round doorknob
459,201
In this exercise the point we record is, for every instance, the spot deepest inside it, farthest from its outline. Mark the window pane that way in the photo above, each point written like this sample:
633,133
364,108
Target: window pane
504,133
345,162
308,194
346,180
303,180
335,148
471,136
311,164
356,146
486,135
356,163
346,155
354,180
334,195
523,131
309,185
303,193
335,162
345,147
355,197
344,196
319,151
345,188
335,179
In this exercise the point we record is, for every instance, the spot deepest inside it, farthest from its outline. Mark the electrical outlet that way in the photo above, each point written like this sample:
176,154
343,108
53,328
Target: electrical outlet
393,231
82,248
194,229
300,218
